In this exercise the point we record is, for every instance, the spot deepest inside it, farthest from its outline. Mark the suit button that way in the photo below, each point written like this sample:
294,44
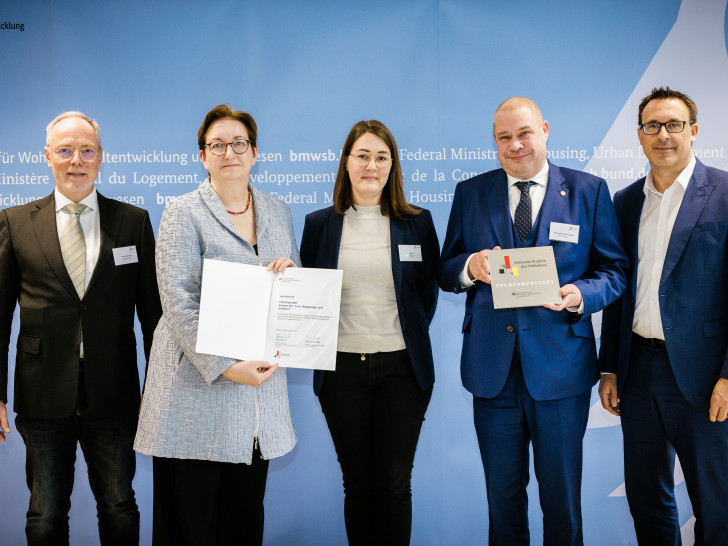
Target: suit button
510,328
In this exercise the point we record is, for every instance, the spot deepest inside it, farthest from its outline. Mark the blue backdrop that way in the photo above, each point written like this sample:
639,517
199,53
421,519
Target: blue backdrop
433,71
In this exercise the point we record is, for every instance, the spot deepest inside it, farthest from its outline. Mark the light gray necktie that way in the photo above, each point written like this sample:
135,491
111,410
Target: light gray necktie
73,247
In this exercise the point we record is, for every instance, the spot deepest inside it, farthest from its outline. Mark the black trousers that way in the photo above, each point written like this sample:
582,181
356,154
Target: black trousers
374,409
208,502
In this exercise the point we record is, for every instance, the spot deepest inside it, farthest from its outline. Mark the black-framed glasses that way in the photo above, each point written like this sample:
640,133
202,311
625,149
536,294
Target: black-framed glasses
86,153
219,147
653,127
364,159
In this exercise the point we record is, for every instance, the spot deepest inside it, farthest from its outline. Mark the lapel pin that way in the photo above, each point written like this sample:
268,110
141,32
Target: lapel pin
563,193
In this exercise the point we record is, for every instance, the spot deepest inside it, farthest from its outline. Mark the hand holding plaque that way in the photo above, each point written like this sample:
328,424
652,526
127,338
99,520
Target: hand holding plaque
524,277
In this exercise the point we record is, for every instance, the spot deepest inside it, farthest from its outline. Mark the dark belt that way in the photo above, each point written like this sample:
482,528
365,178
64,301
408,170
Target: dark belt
650,341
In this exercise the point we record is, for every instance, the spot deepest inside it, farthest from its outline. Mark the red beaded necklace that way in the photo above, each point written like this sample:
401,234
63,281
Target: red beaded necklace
247,206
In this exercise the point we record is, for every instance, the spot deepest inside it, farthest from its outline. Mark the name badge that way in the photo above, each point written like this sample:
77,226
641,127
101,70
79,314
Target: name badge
567,233
410,253
125,255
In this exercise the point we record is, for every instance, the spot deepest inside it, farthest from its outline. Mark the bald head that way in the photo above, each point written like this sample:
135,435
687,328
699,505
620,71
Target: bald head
514,103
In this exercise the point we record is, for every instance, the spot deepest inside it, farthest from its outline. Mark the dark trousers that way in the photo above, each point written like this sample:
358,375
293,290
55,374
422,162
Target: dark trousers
505,425
200,503
50,446
375,409
658,422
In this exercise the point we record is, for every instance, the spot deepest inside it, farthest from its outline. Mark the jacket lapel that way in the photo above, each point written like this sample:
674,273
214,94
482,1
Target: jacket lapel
335,227
396,237
696,196
633,203
263,218
552,208
214,203
500,210
44,224
110,218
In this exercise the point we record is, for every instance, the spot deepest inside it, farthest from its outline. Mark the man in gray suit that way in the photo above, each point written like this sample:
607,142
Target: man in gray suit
79,265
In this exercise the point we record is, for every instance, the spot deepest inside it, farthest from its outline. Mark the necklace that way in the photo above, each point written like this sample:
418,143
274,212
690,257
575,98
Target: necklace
247,206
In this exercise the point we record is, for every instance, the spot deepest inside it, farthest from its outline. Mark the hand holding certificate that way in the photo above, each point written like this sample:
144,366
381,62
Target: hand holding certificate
289,318
524,277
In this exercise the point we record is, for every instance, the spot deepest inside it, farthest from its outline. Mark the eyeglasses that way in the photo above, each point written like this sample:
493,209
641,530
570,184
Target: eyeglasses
363,159
219,147
654,127
65,153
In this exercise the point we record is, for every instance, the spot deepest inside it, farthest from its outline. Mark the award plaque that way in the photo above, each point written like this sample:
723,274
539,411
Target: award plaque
523,277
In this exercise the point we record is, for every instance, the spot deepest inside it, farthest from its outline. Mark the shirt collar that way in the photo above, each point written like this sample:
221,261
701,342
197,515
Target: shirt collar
683,178
541,177
91,200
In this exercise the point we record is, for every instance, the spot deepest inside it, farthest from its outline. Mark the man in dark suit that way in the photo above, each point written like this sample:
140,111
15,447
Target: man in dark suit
531,370
78,265
664,350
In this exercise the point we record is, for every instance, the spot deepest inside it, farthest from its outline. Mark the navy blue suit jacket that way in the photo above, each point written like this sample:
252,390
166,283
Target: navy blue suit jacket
558,351
693,287
415,284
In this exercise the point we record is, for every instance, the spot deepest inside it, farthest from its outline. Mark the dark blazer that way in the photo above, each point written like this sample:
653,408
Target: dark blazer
414,282
558,351
693,287
34,276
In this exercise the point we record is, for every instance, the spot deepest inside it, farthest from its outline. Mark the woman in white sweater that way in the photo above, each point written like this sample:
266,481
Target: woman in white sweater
375,401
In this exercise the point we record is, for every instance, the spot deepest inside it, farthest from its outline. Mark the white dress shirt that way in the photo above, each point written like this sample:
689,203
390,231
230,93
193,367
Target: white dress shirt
90,225
656,222
537,193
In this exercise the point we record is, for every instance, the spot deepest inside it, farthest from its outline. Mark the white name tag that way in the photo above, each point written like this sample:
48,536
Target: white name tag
568,233
125,255
410,253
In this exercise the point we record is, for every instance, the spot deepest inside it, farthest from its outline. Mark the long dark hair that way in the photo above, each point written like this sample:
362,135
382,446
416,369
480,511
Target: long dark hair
393,203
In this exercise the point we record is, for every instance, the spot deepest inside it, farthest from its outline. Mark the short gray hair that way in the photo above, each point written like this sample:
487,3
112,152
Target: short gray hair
72,114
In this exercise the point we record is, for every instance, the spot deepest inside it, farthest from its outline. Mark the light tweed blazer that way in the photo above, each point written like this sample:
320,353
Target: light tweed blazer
190,411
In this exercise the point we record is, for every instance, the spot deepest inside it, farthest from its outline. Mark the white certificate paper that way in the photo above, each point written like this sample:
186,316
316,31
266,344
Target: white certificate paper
289,318
523,277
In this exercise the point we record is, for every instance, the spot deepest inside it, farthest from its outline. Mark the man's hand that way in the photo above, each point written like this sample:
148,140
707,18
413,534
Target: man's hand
4,423
719,401
479,268
570,297
250,372
608,393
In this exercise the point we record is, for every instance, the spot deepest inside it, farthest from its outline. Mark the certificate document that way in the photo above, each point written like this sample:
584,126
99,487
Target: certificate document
289,318
523,277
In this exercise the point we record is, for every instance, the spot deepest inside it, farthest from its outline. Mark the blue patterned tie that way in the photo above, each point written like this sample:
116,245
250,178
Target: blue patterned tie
523,210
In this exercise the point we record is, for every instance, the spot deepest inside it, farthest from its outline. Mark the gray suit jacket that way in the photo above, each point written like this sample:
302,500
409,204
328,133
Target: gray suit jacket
190,411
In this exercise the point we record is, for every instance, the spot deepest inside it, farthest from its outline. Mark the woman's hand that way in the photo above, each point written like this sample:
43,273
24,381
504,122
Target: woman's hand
250,372
280,265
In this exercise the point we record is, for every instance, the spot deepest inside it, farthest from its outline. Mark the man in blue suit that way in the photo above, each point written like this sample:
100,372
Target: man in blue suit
664,343
531,370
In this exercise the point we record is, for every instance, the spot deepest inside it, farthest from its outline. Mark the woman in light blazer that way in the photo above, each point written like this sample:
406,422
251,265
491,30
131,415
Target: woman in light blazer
375,401
210,422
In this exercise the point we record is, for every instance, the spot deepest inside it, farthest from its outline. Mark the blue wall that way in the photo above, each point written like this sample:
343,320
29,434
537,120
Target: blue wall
434,73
